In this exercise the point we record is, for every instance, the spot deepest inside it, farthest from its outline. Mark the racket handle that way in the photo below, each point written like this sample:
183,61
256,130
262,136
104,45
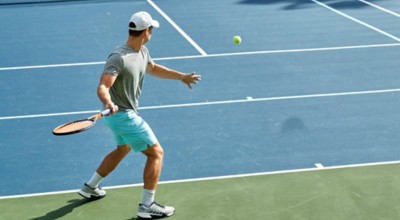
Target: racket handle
105,112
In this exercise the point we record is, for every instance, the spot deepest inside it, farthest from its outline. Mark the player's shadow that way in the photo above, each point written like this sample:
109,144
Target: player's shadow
58,213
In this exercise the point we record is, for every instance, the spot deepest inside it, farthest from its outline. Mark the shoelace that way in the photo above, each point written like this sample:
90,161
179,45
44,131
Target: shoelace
97,188
157,208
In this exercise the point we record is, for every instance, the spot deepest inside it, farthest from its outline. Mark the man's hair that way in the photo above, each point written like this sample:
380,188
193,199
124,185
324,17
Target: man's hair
134,33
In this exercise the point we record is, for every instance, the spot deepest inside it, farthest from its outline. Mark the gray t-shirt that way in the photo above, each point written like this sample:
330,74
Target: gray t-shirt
130,67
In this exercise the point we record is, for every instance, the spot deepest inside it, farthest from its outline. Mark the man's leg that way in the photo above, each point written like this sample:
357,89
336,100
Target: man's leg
149,208
91,189
111,161
152,170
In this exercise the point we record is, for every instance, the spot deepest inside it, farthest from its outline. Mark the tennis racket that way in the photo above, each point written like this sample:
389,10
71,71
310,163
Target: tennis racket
79,125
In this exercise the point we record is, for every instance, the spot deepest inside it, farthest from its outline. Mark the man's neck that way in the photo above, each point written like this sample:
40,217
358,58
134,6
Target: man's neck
135,43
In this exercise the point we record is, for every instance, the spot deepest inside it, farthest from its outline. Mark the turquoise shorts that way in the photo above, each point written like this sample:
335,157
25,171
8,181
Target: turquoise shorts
129,128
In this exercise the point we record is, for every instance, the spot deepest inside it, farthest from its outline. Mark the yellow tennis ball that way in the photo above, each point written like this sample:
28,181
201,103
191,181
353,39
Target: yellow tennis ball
237,39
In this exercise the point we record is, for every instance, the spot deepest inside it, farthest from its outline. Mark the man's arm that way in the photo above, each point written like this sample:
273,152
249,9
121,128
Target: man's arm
103,92
166,73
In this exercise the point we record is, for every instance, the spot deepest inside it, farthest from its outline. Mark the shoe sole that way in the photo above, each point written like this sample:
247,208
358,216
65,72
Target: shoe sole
149,216
90,196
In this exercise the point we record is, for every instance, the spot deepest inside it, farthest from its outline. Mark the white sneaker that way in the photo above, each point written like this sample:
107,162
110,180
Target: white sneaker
155,210
92,193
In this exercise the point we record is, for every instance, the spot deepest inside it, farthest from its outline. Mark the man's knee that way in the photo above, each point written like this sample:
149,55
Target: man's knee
123,149
155,151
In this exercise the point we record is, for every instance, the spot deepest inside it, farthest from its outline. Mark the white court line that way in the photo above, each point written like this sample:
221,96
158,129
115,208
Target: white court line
191,41
356,20
215,178
380,8
213,55
319,166
51,66
49,115
219,102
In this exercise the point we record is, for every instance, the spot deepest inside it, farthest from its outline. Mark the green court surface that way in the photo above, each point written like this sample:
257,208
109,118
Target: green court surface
367,192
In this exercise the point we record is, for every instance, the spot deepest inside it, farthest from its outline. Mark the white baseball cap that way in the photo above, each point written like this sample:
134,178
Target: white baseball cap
142,20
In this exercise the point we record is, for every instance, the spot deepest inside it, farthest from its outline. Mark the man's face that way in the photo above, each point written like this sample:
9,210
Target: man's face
148,33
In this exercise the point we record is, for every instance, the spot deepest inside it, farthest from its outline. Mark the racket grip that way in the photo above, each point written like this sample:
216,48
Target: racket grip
105,112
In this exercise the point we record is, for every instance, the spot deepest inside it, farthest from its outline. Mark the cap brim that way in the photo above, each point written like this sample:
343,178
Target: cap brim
155,23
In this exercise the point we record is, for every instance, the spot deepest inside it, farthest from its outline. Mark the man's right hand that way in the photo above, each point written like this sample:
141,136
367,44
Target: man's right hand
112,107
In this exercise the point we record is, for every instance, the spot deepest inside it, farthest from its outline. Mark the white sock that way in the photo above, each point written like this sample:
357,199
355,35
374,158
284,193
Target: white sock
95,180
148,197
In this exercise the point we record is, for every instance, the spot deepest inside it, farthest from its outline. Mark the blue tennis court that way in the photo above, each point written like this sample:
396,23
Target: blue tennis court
314,84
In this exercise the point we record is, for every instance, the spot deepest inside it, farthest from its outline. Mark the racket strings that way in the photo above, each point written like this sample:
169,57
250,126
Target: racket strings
74,126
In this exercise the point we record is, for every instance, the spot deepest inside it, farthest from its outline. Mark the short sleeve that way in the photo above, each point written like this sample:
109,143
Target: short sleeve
114,64
148,57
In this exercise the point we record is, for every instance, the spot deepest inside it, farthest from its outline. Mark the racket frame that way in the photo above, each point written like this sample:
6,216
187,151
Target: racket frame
92,119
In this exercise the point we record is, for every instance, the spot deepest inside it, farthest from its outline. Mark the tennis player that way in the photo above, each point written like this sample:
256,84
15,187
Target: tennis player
119,90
